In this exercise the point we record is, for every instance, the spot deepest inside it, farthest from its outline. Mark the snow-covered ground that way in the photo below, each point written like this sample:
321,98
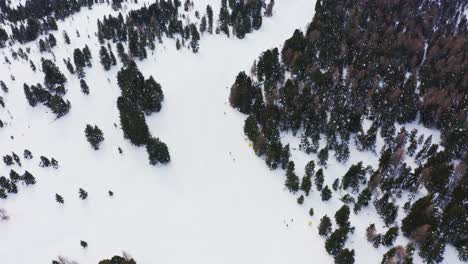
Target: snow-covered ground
216,202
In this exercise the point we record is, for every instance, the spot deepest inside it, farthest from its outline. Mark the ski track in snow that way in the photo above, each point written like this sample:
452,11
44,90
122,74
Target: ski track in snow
216,202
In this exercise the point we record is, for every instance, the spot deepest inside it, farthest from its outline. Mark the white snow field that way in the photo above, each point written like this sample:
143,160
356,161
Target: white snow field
214,203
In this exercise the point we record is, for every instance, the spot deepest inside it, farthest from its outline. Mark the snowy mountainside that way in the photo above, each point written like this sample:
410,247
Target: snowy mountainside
200,202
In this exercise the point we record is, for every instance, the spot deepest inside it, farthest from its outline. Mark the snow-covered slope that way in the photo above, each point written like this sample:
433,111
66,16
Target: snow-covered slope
216,202
207,206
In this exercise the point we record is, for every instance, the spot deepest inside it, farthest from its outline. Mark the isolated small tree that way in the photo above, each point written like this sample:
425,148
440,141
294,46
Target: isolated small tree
94,136
157,152
300,199
59,198
84,244
27,154
82,194
311,212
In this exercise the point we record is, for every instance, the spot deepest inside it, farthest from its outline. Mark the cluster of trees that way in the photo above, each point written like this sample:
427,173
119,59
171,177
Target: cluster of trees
354,63
243,16
32,18
148,25
10,185
52,94
118,260
140,97
144,27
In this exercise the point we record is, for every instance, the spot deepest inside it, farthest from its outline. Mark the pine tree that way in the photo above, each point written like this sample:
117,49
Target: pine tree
65,37
58,106
325,226
82,194
52,41
84,87
209,13
94,136
242,93
336,184
59,198
342,216
310,168
27,154
319,179
354,177
387,210
345,256
251,129
292,181
53,76
335,242
157,151
80,62
105,58
203,25
363,200
306,184
133,122
28,178
323,157
432,249
326,194
152,96
389,237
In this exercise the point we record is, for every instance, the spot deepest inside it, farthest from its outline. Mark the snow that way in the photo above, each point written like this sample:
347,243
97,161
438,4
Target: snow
216,202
